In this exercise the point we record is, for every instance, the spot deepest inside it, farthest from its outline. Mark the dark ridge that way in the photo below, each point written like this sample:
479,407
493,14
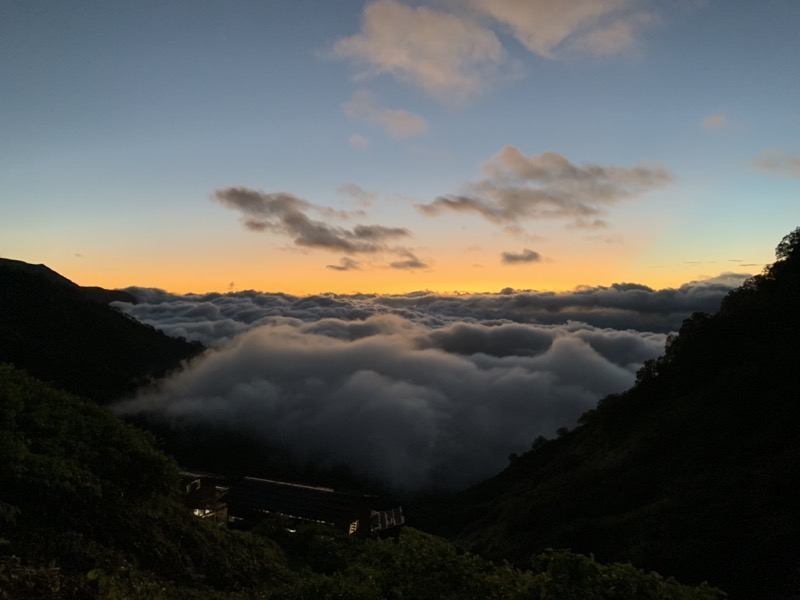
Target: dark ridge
69,336
41,271
104,296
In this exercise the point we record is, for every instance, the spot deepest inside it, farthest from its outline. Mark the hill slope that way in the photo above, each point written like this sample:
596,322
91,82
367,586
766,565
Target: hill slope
694,472
89,509
69,336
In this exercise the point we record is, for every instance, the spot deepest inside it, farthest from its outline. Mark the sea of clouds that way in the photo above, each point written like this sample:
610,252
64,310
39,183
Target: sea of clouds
420,390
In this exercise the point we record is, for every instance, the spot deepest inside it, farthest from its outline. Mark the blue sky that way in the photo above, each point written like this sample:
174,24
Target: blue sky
302,146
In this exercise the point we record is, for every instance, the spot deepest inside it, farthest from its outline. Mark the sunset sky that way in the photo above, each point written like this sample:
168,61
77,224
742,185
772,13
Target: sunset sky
449,145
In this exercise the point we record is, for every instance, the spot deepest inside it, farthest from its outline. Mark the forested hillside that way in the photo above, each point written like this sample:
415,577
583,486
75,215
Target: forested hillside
694,472
88,505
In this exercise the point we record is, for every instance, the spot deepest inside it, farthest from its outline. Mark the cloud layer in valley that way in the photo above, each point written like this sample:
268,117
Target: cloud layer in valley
397,401
416,390
215,318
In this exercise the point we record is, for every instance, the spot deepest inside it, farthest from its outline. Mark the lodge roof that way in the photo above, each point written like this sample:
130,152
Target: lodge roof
298,500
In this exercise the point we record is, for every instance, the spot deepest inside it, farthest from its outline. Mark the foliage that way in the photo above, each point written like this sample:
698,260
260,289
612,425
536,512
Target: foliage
423,567
789,246
84,493
562,575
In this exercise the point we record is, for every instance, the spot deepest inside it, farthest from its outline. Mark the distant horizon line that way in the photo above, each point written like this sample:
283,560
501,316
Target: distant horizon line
429,292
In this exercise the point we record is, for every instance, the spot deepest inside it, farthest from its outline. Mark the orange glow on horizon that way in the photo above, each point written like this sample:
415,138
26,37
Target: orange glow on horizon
302,280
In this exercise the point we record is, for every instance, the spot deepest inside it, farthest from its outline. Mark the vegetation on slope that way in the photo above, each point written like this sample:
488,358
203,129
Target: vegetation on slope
694,472
88,509
88,503
423,567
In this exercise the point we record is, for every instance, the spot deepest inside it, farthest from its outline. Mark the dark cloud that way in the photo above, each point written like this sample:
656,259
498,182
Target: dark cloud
345,264
378,232
548,186
411,262
418,389
526,256
285,214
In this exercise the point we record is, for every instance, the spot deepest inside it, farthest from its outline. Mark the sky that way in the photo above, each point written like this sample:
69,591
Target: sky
390,146
413,236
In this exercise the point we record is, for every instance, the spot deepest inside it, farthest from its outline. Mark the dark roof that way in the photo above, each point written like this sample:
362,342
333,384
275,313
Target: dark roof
297,500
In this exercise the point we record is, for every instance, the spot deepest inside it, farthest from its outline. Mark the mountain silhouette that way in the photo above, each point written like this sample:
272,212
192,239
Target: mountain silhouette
69,336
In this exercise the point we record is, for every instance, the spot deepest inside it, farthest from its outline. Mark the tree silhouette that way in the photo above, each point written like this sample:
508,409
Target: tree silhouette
789,246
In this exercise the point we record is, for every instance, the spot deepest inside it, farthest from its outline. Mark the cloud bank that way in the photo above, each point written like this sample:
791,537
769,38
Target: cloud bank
216,318
412,406
417,390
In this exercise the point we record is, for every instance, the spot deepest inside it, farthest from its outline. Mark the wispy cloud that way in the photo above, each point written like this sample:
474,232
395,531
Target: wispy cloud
549,28
358,194
778,162
345,264
526,256
606,239
715,121
358,141
409,263
286,215
548,186
399,123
